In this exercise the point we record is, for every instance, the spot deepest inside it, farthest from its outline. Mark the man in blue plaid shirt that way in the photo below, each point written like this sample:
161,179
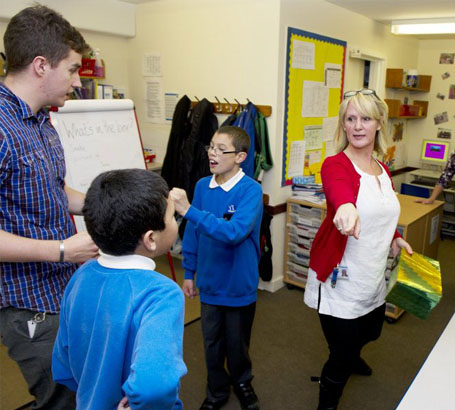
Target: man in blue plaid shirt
39,249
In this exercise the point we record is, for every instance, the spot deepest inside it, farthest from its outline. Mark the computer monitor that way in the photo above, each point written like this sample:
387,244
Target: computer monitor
435,152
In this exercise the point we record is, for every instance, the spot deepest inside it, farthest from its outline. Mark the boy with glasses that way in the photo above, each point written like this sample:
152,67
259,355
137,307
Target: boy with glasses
221,247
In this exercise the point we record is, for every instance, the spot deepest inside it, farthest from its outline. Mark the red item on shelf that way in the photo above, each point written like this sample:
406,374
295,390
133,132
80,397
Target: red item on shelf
88,67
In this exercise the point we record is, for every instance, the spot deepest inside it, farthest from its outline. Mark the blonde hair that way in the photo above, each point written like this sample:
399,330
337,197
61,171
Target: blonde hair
368,106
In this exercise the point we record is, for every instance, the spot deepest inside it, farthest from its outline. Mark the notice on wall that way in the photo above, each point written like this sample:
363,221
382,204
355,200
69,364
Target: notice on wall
154,100
303,55
313,137
315,99
296,158
151,64
329,126
330,148
170,101
332,73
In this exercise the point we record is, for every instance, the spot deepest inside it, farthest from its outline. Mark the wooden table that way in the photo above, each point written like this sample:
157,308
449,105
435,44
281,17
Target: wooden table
421,224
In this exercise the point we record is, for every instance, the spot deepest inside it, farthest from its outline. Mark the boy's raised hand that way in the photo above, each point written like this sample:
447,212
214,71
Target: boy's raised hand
180,199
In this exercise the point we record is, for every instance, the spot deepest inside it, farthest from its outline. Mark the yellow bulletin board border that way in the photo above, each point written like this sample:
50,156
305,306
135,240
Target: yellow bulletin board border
326,51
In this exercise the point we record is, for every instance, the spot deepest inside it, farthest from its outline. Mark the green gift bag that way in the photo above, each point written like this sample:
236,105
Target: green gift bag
415,284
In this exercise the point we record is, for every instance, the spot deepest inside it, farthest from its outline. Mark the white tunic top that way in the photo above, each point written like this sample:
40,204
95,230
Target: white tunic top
364,290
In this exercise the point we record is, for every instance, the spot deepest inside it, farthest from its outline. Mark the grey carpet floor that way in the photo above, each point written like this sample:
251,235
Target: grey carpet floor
288,347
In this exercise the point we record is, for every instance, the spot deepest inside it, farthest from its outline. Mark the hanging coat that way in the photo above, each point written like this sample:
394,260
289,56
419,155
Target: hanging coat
180,129
246,121
263,158
194,161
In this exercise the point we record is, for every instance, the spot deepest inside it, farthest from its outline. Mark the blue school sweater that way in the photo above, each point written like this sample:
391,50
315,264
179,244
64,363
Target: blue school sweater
121,334
221,242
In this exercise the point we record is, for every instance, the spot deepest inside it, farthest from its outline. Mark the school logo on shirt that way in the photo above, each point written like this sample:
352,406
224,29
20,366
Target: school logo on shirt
230,211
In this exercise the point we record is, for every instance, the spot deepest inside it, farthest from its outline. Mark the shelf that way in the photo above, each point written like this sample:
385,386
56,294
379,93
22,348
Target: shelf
409,117
90,77
418,108
395,78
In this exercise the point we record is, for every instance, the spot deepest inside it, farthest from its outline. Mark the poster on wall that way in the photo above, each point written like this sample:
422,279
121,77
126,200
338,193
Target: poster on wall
441,117
313,92
444,133
452,92
446,58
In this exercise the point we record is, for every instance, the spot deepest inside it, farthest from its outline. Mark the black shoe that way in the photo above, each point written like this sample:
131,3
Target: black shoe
212,404
247,396
361,367
330,392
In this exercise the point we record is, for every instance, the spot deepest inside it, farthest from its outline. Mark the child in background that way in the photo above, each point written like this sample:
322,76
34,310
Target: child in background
121,323
221,246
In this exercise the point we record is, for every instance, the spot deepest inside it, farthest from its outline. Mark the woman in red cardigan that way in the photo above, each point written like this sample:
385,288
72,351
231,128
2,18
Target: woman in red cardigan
346,282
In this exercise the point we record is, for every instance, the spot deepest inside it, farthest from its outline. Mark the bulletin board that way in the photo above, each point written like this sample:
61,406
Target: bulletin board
314,89
97,136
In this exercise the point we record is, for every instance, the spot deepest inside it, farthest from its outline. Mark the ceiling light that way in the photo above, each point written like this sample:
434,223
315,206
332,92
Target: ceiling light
424,26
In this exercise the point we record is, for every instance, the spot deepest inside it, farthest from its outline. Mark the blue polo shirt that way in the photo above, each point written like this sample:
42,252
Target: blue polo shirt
33,203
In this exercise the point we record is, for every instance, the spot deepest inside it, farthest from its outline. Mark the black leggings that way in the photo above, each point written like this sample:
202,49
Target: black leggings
346,338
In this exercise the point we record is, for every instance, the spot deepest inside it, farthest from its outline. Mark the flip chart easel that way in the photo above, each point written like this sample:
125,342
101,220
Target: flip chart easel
97,136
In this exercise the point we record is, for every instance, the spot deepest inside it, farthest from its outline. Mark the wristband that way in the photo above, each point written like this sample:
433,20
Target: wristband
62,251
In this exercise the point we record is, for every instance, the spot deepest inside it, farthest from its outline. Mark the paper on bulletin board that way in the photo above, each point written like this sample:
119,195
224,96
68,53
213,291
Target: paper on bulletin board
313,137
296,158
311,158
315,101
151,64
329,126
330,148
303,55
315,157
332,75
154,100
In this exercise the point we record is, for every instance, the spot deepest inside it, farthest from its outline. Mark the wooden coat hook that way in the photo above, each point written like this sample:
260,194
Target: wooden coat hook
227,108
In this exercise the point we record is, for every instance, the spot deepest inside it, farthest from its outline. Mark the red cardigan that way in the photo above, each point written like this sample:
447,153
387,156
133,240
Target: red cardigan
341,184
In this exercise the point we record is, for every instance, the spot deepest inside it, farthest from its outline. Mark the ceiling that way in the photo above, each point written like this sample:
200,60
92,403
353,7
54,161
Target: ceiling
384,11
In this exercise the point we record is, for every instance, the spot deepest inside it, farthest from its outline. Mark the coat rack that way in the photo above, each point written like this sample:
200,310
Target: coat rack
228,108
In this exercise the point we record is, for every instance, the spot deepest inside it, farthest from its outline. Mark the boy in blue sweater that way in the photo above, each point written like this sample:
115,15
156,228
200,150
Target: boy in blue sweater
221,247
121,323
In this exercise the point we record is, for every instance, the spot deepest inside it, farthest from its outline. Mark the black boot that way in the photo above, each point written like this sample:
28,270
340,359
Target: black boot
329,393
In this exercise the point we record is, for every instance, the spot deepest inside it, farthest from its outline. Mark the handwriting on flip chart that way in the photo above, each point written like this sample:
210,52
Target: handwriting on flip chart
96,139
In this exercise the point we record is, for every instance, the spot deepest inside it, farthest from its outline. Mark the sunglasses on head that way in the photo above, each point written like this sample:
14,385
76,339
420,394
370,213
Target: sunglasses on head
365,91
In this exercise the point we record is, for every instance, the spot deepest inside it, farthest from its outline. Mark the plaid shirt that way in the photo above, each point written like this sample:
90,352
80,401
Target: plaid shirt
33,203
449,171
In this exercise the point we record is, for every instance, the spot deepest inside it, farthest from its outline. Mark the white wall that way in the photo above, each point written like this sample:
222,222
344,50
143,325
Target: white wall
223,48
428,64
